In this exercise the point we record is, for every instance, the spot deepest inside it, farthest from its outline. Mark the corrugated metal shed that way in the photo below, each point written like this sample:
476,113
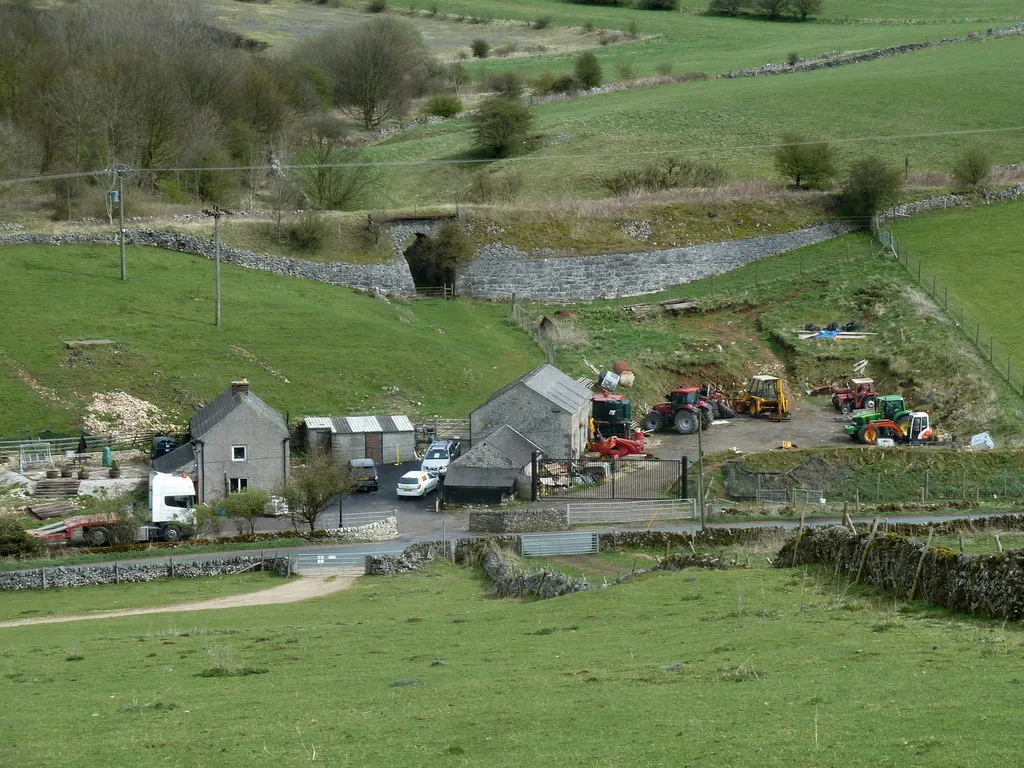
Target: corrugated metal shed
348,425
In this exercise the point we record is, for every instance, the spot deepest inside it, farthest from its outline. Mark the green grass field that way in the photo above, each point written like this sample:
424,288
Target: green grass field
976,253
307,348
745,668
735,122
77,601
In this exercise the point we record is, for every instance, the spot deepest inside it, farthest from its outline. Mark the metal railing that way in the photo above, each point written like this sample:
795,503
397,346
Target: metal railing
631,511
545,544
356,519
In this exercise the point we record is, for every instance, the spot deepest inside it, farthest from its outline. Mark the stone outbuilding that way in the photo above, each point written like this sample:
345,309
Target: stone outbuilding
381,438
236,441
546,406
492,471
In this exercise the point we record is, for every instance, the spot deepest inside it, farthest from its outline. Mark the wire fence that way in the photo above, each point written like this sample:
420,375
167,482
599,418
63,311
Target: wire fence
533,325
999,354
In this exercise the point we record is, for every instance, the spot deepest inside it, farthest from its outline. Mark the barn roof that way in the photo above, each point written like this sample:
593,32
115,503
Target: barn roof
553,385
347,425
480,477
503,449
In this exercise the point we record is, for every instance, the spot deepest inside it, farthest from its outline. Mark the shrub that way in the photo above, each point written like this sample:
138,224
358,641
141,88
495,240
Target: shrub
14,542
481,48
588,27
508,84
973,168
599,2
543,84
670,173
772,8
657,5
607,38
433,10
663,68
728,7
588,70
626,70
792,58
634,29
444,105
565,84
806,164
804,8
869,187
501,126
492,184
542,22
505,50
457,75
377,6
308,232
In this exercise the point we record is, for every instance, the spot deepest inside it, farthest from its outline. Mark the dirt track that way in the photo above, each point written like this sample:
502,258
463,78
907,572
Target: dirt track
294,591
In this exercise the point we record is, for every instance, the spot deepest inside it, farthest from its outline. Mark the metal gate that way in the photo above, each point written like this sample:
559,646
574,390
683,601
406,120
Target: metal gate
542,544
622,479
631,511
335,563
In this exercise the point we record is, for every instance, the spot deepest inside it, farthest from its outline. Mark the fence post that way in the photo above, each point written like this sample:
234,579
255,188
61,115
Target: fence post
170,563
945,297
920,565
42,576
684,489
117,574
927,483
534,476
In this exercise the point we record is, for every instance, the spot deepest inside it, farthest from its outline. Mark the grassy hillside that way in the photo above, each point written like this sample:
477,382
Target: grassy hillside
976,253
731,121
307,348
745,668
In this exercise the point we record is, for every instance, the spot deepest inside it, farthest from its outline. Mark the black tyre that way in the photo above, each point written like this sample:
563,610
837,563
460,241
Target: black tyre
653,422
837,403
686,422
97,536
846,407
172,532
725,412
869,403
861,436
706,417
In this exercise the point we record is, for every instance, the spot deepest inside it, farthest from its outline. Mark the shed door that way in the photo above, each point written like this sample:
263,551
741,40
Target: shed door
375,446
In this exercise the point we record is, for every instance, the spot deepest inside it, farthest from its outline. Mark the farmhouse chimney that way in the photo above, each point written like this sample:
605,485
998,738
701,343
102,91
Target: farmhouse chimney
240,387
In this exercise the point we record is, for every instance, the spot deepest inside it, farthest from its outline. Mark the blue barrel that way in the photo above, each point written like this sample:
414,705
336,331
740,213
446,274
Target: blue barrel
107,456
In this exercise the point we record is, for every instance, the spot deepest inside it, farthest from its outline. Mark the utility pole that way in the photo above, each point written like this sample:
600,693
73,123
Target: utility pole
216,212
120,220
700,468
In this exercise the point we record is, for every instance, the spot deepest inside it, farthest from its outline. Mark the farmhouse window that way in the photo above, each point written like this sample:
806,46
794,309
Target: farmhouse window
238,453
236,484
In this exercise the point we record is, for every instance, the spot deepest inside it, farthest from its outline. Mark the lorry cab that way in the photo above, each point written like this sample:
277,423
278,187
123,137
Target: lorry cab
172,497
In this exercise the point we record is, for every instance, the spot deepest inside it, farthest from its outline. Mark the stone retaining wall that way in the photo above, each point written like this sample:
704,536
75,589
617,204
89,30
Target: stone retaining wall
382,530
982,585
500,270
93,575
518,521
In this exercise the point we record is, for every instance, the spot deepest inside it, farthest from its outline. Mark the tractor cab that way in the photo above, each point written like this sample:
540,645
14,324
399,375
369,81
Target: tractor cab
684,396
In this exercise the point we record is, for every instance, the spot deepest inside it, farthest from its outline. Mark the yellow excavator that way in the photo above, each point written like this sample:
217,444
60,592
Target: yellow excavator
765,395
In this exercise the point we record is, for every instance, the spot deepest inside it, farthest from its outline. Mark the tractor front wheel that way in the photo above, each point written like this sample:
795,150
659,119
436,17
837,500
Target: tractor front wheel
869,404
846,407
686,422
653,422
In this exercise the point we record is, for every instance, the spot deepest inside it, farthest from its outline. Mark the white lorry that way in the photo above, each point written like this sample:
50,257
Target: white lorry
172,499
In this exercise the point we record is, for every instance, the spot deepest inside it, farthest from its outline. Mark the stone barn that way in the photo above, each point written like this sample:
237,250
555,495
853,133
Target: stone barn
492,471
385,439
545,406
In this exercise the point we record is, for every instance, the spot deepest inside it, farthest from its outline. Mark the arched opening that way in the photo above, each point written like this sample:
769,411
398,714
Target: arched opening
429,262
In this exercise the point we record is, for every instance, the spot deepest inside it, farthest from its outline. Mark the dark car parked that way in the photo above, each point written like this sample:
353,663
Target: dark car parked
364,472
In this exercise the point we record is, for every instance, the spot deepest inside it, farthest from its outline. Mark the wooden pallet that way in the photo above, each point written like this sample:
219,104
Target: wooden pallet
57,487
48,509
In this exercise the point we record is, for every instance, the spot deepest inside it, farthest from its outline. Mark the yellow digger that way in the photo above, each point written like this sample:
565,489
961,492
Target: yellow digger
765,395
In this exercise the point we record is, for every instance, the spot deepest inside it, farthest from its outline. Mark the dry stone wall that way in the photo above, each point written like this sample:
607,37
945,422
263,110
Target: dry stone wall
982,585
518,521
382,530
93,575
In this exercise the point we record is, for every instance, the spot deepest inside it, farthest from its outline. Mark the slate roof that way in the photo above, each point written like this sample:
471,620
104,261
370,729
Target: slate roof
181,457
358,424
553,385
480,477
503,449
211,414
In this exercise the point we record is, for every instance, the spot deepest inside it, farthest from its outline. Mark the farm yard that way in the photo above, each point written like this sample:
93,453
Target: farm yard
706,201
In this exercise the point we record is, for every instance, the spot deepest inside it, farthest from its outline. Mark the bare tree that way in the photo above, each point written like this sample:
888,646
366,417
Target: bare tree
333,179
375,68
313,485
804,8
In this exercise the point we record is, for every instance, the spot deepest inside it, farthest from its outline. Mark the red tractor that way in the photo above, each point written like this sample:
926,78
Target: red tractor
686,410
858,394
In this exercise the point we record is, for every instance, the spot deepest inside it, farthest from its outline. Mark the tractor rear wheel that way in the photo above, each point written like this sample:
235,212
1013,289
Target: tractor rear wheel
725,412
653,422
686,422
837,403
